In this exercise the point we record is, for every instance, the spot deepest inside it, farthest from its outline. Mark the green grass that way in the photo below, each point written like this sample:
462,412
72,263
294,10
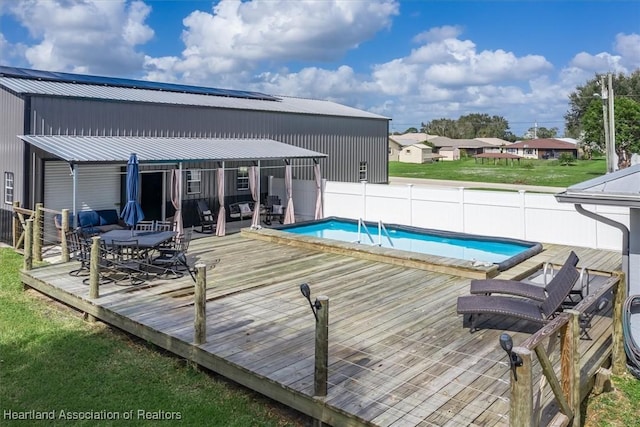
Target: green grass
527,172
618,408
51,360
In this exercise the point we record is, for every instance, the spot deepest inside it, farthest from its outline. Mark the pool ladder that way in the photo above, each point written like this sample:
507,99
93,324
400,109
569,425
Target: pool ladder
381,228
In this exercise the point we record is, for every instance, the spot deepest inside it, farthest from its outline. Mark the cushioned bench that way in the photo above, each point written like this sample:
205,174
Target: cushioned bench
99,221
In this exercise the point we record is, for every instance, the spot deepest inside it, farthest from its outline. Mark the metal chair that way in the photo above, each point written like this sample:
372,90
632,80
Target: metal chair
174,260
128,259
164,225
79,250
145,226
273,210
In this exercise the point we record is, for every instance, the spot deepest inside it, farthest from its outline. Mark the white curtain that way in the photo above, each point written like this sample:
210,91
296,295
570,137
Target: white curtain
221,225
318,176
254,188
289,216
176,187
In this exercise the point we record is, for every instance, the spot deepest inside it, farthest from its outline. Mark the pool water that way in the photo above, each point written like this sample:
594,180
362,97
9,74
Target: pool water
432,242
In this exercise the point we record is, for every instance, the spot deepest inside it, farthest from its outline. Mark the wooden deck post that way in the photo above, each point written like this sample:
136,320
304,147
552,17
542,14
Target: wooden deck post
618,355
322,348
521,409
94,268
38,233
28,249
15,226
570,364
63,235
200,304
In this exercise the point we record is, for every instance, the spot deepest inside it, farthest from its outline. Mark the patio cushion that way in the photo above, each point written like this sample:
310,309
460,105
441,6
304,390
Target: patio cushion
108,216
88,219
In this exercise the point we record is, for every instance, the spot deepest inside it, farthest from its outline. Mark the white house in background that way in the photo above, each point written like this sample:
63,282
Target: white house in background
417,153
398,142
497,144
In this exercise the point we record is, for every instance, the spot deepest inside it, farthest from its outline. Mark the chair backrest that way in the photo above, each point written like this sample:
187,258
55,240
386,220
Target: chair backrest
184,241
560,286
273,200
145,226
164,225
125,250
75,245
204,211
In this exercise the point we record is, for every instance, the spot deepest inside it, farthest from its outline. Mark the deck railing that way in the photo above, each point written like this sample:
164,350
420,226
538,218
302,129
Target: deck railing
588,339
47,232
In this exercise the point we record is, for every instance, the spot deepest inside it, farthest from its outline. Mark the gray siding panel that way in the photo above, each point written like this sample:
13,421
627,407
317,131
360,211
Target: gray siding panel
347,140
11,147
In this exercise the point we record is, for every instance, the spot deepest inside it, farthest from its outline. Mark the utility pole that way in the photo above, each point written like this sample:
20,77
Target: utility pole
612,126
606,121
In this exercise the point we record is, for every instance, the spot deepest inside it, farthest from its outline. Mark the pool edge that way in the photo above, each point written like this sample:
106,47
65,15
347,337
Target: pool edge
452,266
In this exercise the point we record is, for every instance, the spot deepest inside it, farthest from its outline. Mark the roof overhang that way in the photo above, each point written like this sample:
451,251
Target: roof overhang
620,188
117,149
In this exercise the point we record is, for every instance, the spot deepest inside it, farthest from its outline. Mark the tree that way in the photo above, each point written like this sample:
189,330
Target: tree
626,118
411,130
581,99
541,132
470,126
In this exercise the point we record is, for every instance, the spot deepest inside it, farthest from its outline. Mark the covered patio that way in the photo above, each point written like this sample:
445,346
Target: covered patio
221,171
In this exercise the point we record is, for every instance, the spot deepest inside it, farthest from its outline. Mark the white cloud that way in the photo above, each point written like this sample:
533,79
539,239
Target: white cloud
84,35
628,45
241,35
438,34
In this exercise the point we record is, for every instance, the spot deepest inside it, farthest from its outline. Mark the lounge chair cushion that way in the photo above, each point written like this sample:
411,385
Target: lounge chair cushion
277,209
514,287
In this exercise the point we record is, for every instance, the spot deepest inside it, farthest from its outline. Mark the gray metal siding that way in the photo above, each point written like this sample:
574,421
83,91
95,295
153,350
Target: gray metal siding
11,147
346,140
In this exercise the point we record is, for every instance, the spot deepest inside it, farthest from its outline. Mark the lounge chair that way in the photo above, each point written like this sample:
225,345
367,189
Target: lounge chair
522,289
523,308
207,219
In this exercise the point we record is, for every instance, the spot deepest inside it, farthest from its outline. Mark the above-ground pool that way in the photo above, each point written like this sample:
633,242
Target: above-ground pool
502,252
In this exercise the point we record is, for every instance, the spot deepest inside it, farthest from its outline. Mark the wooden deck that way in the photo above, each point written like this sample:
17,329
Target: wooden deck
398,352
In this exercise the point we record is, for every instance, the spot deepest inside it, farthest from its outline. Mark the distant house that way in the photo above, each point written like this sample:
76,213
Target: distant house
498,145
547,148
417,153
452,149
398,142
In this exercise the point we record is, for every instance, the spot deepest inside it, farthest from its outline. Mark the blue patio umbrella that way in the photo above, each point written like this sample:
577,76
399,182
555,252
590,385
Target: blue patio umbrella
132,212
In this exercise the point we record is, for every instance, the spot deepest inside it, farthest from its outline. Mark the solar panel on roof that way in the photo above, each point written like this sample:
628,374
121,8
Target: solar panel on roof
129,83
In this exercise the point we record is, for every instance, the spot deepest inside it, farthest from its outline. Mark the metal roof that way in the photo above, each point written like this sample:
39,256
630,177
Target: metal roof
129,94
117,149
114,81
619,188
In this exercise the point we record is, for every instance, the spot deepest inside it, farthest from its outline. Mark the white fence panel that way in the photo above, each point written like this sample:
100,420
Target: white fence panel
521,215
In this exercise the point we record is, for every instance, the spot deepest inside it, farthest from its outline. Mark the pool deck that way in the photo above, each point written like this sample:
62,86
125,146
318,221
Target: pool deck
398,352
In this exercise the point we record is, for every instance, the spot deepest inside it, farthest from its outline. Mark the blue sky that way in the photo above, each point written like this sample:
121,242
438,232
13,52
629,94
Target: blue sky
413,61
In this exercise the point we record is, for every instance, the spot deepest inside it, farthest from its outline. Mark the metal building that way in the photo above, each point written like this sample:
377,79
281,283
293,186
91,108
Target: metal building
40,103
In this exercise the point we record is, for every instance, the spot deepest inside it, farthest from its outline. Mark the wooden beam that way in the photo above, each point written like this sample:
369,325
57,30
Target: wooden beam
618,356
200,305
547,370
521,411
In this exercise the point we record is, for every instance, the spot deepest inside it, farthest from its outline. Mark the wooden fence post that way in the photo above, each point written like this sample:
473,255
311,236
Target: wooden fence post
15,229
94,268
37,232
64,223
570,364
618,355
200,304
28,249
322,347
521,409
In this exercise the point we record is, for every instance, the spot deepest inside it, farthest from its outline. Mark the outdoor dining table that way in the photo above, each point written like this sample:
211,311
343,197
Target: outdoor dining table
146,239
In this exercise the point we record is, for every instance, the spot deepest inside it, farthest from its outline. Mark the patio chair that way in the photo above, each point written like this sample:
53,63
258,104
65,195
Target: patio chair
145,226
166,225
522,289
207,219
128,259
522,308
273,210
174,260
79,250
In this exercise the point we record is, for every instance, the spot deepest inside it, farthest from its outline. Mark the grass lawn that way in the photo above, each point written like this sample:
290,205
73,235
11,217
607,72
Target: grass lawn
51,360
527,172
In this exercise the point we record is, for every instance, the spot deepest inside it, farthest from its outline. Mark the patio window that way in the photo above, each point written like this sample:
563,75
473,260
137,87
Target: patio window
8,187
194,181
242,181
362,171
